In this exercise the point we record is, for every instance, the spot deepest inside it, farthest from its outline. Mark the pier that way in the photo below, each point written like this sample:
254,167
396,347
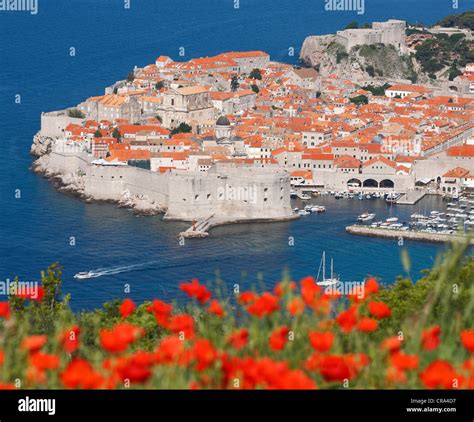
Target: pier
406,234
200,228
411,197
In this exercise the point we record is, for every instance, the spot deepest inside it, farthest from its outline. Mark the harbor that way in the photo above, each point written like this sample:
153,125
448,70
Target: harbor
454,221
405,234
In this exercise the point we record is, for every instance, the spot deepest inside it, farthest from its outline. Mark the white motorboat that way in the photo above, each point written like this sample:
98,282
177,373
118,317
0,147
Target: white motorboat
318,208
83,274
303,212
392,197
326,281
391,220
366,216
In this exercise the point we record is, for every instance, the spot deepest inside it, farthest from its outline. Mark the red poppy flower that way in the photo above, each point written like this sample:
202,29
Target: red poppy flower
367,325
312,363
371,286
356,362
161,310
334,368
43,361
246,298
347,319
216,308
379,310
69,339
321,341
392,344
169,350
120,337
239,339
430,338
204,353
2,357
467,339
294,380
135,368
295,306
196,290
36,376
309,290
402,361
4,310
182,324
127,307
80,374
395,376
34,343
439,374
266,304
278,338
6,386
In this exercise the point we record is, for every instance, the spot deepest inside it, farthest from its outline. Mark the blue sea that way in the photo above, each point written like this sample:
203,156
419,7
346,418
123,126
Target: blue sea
109,39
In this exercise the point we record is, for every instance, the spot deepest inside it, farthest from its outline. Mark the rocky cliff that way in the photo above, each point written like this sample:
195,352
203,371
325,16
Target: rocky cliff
41,145
361,62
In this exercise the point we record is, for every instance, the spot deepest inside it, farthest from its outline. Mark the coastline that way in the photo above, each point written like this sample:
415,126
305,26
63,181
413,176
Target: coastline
73,181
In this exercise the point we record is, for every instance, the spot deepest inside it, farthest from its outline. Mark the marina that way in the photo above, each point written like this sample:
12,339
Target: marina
397,233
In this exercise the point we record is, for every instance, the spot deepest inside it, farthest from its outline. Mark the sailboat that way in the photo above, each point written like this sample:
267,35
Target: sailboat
326,281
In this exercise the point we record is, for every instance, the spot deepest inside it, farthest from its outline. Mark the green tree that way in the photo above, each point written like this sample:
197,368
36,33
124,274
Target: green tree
41,313
76,113
97,134
256,74
454,72
234,83
341,55
359,100
352,25
116,133
130,77
370,70
378,91
159,85
255,88
182,128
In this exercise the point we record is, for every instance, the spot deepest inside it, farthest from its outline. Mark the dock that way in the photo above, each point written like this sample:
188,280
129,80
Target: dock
406,235
411,197
200,229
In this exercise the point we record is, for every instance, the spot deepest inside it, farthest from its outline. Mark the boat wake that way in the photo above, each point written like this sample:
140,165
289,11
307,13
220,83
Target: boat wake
100,272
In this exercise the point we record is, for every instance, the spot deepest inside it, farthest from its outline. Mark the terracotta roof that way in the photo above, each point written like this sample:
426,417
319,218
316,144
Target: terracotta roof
461,151
457,172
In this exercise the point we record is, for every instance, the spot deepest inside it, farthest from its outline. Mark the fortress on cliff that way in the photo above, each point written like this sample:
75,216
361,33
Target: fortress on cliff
389,32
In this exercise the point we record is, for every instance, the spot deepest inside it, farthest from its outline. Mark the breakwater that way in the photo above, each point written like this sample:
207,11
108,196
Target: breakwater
405,234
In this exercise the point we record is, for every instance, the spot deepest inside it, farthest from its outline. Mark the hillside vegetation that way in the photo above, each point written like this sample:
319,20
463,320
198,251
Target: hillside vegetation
461,20
295,336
